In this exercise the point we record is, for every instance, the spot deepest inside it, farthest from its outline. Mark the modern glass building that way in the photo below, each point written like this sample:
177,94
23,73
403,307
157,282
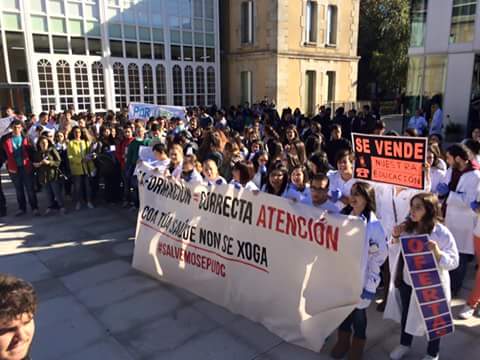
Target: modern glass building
445,59
103,54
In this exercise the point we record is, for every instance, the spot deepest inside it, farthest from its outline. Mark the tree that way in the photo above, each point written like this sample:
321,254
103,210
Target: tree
384,36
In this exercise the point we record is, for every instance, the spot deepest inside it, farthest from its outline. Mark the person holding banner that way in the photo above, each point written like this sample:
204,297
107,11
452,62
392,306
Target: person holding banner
424,218
298,188
319,194
210,172
341,181
362,204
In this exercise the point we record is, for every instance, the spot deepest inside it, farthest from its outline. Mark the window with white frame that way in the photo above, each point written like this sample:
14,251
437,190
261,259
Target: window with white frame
120,85
177,85
161,84
134,82
83,91
463,21
247,22
311,22
147,75
200,79
331,33
211,85
64,80
98,85
189,87
246,86
45,80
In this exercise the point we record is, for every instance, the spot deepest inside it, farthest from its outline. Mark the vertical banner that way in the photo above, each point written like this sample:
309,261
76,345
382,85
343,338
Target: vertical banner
5,123
390,160
426,283
146,111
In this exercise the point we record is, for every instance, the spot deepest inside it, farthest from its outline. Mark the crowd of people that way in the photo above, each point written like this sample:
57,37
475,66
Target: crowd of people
91,159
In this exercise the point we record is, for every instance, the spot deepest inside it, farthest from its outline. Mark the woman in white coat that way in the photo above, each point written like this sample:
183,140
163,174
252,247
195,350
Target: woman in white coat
401,304
362,204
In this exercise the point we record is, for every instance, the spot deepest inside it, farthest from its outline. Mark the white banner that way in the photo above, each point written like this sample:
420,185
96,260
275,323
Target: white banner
146,111
5,123
291,267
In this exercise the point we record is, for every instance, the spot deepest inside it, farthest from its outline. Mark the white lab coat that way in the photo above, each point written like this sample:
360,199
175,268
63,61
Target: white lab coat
293,193
448,261
336,182
376,248
437,176
460,218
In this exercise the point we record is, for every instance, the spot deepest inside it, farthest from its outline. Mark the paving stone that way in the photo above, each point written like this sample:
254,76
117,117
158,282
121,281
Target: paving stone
25,266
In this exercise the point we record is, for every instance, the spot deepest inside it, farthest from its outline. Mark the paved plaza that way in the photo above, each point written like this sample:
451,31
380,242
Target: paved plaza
94,306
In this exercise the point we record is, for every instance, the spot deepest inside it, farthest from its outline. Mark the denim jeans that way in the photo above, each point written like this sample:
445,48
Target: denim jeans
23,181
358,320
406,339
81,185
55,194
3,201
458,275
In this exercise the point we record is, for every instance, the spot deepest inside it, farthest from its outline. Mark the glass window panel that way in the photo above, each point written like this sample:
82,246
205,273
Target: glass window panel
130,32
60,44
199,39
144,33
197,8
39,23
186,8
95,47
145,51
157,35
115,30
38,5
114,14
83,90
174,22
75,27
199,54
129,15
58,25
91,11
209,9
210,54
147,75
16,56
116,48
159,51
435,76
187,23
187,53
189,80
161,85
209,39
134,82
209,27
176,52
187,38
172,7
131,49
41,43
45,82
175,37
98,85
418,20
56,7
3,71
463,21
198,25
64,81
157,19
12,21
78,45
200,82
120,85
74,9
247,22
10,4
92,28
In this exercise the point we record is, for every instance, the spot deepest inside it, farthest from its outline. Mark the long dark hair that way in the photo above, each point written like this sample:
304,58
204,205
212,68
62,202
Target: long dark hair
368,193
245,168
430,219
277,167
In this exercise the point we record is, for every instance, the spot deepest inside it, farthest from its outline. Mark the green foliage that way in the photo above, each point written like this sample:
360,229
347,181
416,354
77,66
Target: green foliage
383,43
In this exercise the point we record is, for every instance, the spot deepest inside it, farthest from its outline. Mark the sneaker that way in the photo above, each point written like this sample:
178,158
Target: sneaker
428,357
399,352
20,213
90,205
78,206
466,313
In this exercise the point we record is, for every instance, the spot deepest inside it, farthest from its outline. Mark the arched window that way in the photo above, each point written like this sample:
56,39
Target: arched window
200,77
177,85
64,85
189,87
120,85
211,86
81,80
45,80
98,85
147,75
161,85
134,82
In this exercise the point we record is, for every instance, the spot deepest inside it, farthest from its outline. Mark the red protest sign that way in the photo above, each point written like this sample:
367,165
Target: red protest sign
390,159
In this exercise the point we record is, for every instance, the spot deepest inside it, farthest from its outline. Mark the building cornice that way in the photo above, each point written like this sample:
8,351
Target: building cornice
292,55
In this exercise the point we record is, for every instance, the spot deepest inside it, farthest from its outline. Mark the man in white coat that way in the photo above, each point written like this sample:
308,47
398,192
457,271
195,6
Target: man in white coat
462,184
